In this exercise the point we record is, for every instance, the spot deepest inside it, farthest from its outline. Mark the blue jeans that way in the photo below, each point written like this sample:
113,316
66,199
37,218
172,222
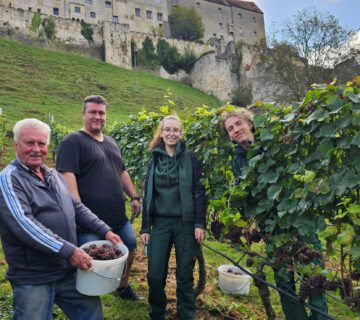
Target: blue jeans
35,302
126,233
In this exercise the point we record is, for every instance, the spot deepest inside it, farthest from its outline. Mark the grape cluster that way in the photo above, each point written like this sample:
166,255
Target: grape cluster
104,252
234,234
314,285
249,262
216,229
306,255
355,301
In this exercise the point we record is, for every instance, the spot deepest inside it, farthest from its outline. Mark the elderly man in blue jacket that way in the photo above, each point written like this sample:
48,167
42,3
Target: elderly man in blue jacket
38,218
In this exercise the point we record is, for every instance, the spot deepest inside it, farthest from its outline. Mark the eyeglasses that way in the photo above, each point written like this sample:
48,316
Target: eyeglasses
168,130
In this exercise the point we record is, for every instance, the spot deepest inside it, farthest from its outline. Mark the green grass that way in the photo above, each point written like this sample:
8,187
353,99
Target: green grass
36,82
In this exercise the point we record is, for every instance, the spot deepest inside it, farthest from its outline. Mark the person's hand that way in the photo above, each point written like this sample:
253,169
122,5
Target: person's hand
145,237
112,237
135,207
199,235
80,259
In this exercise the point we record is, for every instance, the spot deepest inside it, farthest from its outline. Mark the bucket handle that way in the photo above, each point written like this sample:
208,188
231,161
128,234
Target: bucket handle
109,278
100,275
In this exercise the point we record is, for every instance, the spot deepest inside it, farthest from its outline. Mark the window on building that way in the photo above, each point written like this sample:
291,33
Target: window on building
137,12
220,25
93,15
30,9
115,19
55,11
220,10
214,34
255,34
77,9
160,16
240,15
88,1
198,4
253,19
39,10
108,4
148,14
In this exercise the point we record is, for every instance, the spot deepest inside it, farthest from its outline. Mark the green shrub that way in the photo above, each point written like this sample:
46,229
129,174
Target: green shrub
187,61
87,31
146,55
58,132
35,22
242,96
168,55
49,27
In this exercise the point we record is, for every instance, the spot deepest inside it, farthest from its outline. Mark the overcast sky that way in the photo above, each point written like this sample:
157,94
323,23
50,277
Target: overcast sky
276,11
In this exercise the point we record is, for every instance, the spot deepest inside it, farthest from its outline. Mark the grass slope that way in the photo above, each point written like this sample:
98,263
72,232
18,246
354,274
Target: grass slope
37,81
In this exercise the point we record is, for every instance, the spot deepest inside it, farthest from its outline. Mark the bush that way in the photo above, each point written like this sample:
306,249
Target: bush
187,61
242,96
168,56
146,55
87,31
35,22
49,27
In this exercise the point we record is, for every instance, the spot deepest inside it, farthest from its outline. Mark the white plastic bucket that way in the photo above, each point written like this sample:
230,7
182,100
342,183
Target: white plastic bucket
231,283
104,275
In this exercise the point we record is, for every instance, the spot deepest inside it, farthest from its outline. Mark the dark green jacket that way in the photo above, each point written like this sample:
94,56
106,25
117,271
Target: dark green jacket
192,192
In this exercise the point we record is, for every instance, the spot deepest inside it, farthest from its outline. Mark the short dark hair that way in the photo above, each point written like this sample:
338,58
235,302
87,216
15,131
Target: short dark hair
95,99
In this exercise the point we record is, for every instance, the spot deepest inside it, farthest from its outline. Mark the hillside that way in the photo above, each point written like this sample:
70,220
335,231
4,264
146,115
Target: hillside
36,82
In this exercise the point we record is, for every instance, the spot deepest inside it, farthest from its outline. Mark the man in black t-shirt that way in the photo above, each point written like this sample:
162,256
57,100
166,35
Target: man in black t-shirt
93,167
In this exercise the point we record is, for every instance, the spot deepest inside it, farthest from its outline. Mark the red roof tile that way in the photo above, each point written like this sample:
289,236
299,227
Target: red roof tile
247,5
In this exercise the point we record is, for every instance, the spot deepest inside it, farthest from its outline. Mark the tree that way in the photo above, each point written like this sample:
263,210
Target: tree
186,24
168,56
316,38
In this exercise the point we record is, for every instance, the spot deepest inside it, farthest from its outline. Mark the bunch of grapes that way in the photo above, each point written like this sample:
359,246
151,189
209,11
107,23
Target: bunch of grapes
306,255
355,301
234,234
283,255
216,229
105,252
314,285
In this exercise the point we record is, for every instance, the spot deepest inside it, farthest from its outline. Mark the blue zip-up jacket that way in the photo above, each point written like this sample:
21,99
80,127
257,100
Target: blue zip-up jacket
38,224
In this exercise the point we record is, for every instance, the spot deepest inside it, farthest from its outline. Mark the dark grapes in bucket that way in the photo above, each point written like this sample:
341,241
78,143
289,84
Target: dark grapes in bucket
103,252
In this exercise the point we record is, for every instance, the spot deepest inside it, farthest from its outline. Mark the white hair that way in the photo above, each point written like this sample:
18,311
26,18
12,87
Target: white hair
31,123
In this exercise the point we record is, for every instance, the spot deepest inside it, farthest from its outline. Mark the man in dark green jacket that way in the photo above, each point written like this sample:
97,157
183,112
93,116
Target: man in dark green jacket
239,127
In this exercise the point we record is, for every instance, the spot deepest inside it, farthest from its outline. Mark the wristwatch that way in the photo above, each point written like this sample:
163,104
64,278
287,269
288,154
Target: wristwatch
135,198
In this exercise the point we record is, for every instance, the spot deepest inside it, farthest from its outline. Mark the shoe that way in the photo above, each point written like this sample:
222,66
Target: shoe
128,293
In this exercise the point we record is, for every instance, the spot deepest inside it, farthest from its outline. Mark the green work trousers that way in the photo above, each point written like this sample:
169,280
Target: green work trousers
165,233
294,310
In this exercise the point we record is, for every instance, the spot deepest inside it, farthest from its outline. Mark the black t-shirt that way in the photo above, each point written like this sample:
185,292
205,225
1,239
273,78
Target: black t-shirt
98,167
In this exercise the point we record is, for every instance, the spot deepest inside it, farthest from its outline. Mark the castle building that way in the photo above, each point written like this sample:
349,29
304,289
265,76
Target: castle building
229,20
